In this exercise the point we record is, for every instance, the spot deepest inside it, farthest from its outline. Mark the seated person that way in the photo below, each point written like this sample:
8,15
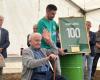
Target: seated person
35,60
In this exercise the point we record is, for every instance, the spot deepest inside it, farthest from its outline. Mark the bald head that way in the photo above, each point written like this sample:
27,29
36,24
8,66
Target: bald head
35,40
34,35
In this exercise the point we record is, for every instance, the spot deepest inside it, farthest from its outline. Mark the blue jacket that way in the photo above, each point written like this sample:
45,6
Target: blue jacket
4,42
92,42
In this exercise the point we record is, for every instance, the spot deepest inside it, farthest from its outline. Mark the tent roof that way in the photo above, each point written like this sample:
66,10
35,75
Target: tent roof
88,4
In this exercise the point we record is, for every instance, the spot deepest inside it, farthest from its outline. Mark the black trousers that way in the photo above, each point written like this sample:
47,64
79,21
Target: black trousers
95,61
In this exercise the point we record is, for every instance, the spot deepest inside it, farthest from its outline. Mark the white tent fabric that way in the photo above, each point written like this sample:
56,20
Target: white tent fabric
19,19
88,4
93,16
20,15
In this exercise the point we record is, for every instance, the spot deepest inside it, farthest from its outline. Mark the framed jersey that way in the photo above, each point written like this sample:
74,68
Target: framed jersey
73,35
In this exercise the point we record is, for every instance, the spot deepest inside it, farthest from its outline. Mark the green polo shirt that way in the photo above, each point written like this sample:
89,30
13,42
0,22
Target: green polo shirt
51,26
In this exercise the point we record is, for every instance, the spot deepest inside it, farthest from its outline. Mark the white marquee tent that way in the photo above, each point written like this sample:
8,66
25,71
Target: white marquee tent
20,15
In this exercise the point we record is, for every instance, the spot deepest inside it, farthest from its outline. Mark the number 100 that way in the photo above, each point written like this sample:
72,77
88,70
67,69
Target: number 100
73,32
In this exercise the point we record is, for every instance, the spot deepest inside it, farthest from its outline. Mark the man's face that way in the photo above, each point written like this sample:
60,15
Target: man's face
51,14
88,25
1,21
35,28
36,42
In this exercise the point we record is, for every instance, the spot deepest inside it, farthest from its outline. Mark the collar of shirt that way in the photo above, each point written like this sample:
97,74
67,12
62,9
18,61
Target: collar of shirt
35,49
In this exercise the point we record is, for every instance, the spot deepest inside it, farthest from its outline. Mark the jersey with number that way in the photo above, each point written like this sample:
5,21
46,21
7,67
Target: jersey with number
49,25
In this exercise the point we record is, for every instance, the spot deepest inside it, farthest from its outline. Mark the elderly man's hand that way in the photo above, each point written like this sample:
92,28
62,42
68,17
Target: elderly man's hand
52,57
46,36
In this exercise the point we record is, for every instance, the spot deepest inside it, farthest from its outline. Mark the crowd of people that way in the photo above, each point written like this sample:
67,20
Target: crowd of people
40,60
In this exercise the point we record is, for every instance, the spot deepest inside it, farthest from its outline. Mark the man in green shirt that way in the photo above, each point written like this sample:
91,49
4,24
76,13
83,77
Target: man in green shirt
48,25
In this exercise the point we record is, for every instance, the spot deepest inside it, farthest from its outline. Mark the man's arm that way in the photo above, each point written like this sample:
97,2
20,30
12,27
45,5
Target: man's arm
43,29
29,61
40,27
93,39
7,42
97,40
98,45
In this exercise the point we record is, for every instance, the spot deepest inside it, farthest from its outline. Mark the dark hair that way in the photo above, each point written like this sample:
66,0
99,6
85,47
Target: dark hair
51,7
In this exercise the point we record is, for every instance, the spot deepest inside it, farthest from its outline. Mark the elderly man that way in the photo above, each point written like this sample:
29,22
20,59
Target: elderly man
35,60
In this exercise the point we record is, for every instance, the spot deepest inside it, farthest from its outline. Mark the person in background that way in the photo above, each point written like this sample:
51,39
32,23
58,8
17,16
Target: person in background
89,58
97,50
4,43
48,25
35,60
34,30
